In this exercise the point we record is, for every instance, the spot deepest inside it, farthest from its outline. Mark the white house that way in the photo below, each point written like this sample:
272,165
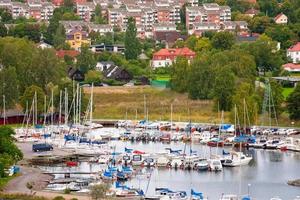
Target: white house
281,19
294,53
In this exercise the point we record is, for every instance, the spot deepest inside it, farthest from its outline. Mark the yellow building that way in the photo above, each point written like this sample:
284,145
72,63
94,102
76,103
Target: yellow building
77,38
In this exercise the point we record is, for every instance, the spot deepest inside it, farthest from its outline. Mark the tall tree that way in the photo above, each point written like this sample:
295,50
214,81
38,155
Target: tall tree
246,103
223,40
86,60
224,87
200,79
59,37
3,30
179,71
132,44
29,95
293,104
9,87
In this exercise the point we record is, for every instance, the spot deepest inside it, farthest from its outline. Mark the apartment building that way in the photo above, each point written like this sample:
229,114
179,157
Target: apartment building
85,10
208,13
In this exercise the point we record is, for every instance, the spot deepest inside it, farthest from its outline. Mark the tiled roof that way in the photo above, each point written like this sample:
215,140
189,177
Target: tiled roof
177,52
63,53
295,47
291,66
278,16
252,11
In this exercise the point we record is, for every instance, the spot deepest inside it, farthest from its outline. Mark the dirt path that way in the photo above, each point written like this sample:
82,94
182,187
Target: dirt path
34,176
39,181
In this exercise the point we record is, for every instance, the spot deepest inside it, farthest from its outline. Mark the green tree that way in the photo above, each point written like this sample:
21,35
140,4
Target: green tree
224,87
282,34
266,55
97,17
99,191
86,60
179,71
269,7
132,44
223,40
6,16
59,37
203,44
29,95
245,100
8,82
277,96
200,79
93,76
293,104
258,24
31,31
3,30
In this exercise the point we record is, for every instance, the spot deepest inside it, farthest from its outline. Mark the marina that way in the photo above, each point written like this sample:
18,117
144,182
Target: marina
139,161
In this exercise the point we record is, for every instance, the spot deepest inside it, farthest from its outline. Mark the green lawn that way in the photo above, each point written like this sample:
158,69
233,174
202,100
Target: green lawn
162,77
287,91
4,181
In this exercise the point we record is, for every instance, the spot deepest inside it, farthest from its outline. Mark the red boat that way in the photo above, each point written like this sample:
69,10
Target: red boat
165,138
138,152
72,163
215,143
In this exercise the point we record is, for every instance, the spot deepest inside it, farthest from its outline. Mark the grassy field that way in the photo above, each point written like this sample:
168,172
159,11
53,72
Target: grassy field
114,102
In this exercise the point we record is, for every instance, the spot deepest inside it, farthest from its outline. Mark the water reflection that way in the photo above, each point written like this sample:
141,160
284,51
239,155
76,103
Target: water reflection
267,173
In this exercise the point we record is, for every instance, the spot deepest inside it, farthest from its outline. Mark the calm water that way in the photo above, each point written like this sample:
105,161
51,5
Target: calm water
267,173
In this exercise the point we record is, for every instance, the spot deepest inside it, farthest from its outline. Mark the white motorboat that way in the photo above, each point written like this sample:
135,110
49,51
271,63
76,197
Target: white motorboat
259,144
137,160
202,165
103,159
149,162
273,144
162,161
237,159
215,164
275,198
196,136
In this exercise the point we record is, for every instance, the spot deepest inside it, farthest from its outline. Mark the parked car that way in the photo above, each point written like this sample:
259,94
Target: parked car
42,147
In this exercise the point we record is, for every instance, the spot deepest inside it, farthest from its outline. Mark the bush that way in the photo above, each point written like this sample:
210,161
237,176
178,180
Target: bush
59,198
67,191
99,191
113,82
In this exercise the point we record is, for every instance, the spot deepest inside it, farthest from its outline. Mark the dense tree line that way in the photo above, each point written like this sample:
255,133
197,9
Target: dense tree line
226,71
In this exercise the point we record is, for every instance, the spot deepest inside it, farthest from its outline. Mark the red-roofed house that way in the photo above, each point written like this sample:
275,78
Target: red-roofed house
291,67
166,57
251,12
281,19
63,53
294,53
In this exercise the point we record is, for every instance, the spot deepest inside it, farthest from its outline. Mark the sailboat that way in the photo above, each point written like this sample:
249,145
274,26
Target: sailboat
237,158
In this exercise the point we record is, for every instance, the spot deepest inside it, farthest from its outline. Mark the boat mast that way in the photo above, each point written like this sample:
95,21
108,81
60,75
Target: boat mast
4,113
52,108
60,108
79,105
171,118
92,99
145,109
66,106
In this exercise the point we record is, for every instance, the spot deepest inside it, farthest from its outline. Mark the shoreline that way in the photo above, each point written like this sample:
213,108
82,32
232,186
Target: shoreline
35,177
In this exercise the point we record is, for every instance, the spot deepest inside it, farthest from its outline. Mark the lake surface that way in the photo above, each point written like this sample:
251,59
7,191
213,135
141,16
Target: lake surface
267,173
